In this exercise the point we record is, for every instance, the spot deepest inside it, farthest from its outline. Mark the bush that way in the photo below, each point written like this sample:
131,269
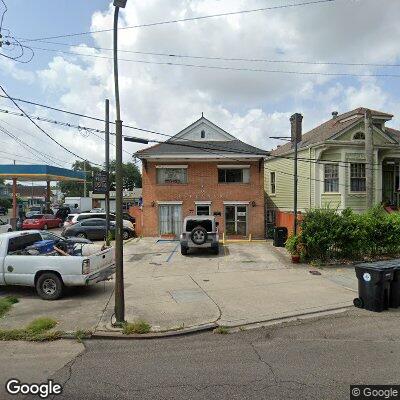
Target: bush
5,202
327,234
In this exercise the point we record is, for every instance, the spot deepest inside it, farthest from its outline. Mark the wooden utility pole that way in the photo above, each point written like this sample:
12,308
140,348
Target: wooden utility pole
369,159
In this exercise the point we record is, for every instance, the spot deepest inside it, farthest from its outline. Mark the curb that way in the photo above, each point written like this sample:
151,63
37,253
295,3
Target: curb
154,335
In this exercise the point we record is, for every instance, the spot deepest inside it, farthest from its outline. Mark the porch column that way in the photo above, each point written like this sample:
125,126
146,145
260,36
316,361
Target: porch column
14,193
48,196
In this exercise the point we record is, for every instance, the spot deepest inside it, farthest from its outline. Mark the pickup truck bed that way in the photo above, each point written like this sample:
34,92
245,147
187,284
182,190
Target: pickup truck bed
50,272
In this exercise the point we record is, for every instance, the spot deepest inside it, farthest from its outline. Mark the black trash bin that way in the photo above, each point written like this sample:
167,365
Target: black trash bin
374,281
280,236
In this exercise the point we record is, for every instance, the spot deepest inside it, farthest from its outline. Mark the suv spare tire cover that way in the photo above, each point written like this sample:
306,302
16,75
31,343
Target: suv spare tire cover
198,235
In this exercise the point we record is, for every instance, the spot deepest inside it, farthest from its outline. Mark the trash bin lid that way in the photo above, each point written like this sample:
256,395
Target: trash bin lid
380,265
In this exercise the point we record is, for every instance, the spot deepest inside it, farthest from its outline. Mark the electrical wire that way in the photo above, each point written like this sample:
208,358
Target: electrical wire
198,57
174,21
227,68
2,15
42,130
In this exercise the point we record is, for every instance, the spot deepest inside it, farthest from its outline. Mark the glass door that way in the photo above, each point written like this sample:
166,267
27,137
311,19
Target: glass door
170,219
236,220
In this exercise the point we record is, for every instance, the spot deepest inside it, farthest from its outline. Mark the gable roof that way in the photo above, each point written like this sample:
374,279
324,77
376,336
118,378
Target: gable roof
334,126
182,145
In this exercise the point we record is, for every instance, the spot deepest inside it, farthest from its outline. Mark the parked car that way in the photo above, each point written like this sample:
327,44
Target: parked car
199,232
49,272
128,217
42,221
3,211
94,229
82,216
30,214
5,226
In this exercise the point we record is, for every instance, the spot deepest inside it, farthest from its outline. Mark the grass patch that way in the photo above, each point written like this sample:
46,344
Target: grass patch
81,334
221,330
37,331
139,326
6,303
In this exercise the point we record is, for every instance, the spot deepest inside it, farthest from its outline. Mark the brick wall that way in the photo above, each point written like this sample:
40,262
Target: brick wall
203,186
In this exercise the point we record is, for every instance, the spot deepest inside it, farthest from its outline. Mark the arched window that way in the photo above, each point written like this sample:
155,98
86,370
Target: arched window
359,136
203,134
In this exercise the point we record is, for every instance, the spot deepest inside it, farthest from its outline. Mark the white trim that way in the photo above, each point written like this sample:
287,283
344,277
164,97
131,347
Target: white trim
239,203
202,203
233,166
201,157
165,203
171,166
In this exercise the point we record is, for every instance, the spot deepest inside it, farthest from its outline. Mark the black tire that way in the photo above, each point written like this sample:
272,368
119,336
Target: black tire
45,227
184,250
60,225
215,249
126,234
9,230
198,235
49,286
81,235
358,302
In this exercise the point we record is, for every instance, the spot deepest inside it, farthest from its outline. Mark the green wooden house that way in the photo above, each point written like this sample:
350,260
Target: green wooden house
332,168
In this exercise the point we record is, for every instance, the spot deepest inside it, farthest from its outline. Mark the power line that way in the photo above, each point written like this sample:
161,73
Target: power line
174,21
196,57
227,68
42,130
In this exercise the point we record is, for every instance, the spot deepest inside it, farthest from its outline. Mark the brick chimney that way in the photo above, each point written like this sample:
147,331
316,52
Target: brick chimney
296,127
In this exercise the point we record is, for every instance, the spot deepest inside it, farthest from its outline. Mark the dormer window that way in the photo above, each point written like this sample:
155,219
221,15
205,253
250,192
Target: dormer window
203,134
359,136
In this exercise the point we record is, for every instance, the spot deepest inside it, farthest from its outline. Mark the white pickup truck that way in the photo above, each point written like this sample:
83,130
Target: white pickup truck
49,273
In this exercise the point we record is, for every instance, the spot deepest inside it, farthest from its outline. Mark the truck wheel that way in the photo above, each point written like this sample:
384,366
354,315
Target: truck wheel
184,250
358,302
49,286
198,235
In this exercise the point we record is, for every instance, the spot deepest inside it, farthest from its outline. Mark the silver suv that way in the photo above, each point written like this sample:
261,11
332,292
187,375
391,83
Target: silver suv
199,232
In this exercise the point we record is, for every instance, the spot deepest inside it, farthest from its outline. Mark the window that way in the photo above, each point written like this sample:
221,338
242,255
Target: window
203,134
272,182
359,136
202,209
331,178
234,175
94,222
270,216
357,177
171,175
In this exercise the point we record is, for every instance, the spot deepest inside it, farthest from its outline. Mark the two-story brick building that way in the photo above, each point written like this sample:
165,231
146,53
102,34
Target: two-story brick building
203,170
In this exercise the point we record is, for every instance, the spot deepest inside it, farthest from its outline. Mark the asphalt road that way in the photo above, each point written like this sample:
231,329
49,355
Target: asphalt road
313,359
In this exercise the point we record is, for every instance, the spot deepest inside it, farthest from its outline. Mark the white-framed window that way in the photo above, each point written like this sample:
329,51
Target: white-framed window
272,182
175,175
359,136
233,174
357,177
203,209
331,178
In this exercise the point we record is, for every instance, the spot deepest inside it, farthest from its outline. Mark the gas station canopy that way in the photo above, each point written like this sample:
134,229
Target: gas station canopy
39,173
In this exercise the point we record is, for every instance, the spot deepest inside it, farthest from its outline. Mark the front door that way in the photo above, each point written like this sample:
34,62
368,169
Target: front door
236,220
170,219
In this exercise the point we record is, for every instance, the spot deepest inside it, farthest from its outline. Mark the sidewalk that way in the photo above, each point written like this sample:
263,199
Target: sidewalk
246,283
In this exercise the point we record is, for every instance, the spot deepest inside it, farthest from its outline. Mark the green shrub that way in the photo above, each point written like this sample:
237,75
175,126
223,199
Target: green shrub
327,234
5,202
293,244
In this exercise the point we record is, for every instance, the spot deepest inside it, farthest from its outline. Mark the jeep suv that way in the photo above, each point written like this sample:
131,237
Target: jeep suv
199,232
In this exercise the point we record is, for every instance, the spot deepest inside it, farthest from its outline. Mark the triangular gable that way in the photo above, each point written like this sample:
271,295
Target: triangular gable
346,135
211,132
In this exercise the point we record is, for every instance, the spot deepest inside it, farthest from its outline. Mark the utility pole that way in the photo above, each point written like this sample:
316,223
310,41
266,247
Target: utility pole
84,183
107,132
369,159
119,263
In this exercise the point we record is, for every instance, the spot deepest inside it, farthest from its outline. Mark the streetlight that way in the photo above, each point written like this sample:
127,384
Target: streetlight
119,262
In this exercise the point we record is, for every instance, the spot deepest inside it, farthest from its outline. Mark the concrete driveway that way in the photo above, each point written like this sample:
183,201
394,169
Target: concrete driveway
244,284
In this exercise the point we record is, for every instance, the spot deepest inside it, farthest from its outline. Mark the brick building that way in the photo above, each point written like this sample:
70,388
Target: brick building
203,170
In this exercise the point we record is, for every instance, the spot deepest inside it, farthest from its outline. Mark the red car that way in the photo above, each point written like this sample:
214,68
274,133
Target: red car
42,221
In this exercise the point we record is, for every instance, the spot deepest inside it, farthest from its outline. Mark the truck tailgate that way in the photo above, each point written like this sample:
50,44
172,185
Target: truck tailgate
102,259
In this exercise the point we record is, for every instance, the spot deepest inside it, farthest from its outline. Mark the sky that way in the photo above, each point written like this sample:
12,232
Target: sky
251,105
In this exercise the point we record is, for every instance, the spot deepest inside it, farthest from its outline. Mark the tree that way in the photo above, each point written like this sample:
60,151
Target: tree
131,177
75,189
